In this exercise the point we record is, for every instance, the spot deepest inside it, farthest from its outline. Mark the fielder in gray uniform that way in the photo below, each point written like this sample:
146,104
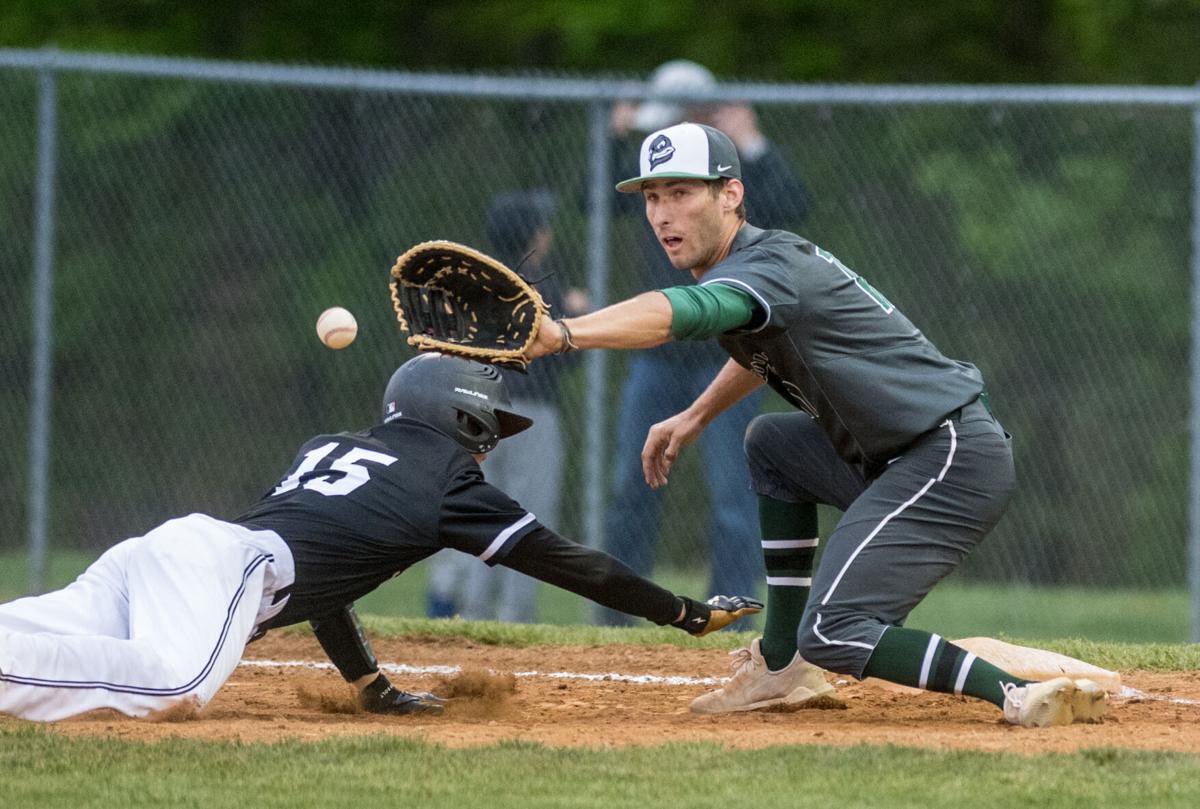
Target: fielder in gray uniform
887,429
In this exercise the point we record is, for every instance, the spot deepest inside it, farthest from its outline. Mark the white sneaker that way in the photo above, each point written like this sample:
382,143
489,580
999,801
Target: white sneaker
1090,702
1040,705
754,687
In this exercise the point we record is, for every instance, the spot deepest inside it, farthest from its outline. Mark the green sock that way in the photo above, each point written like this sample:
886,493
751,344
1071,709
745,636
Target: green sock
920,659
789,542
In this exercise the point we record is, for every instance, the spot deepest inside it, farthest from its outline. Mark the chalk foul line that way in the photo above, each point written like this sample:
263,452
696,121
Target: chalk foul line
419,671
1124,695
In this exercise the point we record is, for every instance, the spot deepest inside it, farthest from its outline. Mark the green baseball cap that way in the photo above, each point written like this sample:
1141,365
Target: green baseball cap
688,151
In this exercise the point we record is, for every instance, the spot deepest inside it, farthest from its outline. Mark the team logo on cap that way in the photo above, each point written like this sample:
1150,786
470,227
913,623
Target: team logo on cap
661,150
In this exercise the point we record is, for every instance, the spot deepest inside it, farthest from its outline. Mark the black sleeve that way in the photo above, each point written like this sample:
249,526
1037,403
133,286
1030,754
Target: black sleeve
479,519
344,639
592,574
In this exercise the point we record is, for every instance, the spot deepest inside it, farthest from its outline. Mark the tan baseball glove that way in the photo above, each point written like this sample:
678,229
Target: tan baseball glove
454,299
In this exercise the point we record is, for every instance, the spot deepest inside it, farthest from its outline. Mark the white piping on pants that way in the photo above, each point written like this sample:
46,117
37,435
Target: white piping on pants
906,504
828,642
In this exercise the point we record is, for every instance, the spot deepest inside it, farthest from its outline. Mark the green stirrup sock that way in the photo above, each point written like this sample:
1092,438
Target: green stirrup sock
920,659
789,543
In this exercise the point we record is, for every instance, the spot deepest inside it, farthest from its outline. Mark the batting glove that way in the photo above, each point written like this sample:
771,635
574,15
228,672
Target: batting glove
717,613
380,696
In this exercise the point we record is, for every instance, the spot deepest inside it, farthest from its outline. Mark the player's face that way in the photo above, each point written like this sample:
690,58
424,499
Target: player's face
687,220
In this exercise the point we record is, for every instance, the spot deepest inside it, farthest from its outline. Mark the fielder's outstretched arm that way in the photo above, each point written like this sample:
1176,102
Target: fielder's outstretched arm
640,322
690,312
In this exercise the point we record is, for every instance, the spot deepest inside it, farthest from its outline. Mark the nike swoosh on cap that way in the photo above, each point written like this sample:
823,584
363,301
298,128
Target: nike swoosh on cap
724,168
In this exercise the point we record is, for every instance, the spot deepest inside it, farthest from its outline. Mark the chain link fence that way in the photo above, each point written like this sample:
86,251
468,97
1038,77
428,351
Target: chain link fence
204,214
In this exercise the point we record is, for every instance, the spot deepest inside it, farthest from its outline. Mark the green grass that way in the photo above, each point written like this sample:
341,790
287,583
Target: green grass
494,633
62,568
1109,654
960,610
45,770
40,768
954,609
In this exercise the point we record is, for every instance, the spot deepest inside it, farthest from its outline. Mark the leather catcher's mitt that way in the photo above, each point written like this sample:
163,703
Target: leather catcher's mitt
457,300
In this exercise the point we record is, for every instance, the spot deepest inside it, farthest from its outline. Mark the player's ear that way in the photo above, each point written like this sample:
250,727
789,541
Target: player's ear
732,195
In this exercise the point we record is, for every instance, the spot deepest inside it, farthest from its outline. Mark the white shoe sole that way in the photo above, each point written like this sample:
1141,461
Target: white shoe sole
794,701
1090,702
1052,705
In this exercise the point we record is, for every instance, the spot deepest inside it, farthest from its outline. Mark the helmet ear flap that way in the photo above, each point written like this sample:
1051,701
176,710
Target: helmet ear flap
477,432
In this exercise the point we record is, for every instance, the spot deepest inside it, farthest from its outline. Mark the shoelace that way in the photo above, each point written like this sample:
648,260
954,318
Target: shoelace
743,660
1009,690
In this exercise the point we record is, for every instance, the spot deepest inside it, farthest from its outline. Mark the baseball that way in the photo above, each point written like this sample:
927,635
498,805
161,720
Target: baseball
336,327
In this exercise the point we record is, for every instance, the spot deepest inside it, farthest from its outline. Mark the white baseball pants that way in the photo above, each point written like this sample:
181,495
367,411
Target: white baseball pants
157,620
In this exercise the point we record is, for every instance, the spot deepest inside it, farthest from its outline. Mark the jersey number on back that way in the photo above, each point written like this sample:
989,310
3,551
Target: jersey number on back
345,474
859,281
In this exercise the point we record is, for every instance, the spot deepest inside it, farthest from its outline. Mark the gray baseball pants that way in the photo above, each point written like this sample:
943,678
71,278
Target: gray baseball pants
902,531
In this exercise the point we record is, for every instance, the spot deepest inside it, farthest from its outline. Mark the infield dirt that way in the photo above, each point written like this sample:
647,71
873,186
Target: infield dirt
489,705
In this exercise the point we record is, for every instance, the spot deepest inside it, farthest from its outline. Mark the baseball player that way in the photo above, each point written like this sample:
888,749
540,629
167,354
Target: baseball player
163,618
887,429
664,380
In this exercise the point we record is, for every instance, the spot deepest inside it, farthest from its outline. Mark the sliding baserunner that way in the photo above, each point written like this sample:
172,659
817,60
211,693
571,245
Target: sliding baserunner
162,619
887,429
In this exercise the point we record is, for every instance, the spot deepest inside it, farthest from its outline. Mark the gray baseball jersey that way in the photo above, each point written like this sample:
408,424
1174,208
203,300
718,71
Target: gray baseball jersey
831,345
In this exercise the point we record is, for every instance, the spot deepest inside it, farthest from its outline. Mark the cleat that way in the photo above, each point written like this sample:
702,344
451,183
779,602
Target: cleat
754,687
1040,705
1090,702
384,698
421,702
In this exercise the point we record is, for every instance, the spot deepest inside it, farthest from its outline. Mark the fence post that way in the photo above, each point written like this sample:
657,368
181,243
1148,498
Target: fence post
43,323
1194,482
596,409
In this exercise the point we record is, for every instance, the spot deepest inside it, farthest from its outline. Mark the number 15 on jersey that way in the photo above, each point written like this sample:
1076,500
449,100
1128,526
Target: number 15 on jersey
338,476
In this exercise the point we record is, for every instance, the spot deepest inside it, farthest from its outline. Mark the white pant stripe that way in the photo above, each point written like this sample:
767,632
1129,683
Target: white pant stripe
906,504
790,543
828,642
928,661
789,581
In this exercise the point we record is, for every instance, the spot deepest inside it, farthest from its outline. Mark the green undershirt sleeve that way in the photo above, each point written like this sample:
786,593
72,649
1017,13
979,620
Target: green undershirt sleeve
699,312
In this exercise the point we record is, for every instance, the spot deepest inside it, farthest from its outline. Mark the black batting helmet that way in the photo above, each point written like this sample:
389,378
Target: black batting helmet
466,400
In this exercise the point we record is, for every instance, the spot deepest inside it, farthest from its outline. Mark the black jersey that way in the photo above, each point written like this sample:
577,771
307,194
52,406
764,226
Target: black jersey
359,508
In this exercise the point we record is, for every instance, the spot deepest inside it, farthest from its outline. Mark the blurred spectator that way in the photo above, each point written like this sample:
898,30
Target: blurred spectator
528,466
665,380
